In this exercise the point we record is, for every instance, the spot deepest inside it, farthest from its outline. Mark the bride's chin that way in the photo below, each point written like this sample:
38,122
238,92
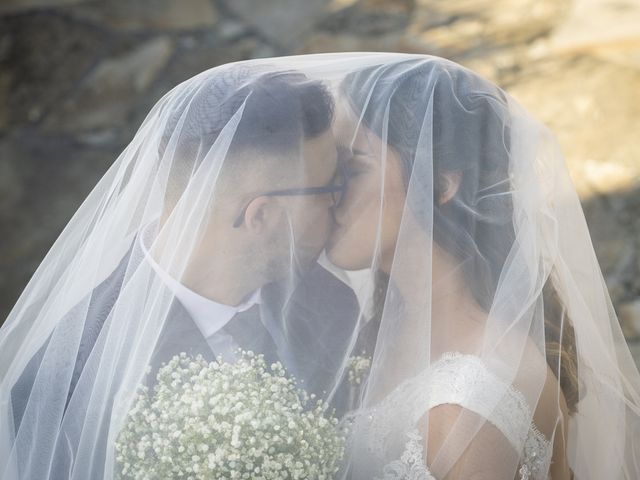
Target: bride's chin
335,252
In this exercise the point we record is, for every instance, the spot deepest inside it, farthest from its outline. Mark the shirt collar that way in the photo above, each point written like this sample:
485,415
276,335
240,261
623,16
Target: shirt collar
209,315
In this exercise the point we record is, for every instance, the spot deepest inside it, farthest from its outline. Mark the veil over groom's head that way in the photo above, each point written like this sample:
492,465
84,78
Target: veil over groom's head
263,141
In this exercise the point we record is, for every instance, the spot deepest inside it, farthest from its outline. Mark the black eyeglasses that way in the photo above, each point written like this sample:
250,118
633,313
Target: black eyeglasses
336,189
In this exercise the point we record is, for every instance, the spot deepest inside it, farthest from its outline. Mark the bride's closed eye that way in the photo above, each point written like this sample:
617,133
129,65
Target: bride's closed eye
345,160
353,161
345,154
353,168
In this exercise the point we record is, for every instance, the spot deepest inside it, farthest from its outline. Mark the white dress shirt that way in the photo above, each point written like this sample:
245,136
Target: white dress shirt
210,316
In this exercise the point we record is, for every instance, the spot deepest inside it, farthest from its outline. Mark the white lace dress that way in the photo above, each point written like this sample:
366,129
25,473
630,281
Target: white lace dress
456,379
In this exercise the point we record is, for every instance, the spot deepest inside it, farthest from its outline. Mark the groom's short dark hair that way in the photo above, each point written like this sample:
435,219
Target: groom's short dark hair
279,110
274,111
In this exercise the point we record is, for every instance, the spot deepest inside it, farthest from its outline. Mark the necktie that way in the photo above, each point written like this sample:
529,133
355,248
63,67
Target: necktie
250,334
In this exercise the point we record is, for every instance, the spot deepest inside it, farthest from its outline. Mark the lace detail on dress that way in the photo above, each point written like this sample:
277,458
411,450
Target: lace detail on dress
536,456
410,466
465,380
460,380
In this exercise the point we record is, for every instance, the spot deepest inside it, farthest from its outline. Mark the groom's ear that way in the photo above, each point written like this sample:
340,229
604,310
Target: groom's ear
448,185
260,214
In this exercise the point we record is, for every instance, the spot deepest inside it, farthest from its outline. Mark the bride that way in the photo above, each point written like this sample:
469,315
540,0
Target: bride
495,351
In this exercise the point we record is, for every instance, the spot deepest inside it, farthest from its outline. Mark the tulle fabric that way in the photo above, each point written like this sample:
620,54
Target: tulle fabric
464,275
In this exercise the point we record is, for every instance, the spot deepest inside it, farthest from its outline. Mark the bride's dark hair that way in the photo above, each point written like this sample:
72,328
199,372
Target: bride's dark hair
470,134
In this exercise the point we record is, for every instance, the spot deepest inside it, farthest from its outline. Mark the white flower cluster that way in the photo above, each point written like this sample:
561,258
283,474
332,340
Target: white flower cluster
358,367
221,420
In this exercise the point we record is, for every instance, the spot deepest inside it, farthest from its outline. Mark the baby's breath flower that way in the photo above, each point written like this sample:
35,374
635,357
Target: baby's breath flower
220,420
358,367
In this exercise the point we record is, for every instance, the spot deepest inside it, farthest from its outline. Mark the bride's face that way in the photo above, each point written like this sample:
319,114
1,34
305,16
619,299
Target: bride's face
374,171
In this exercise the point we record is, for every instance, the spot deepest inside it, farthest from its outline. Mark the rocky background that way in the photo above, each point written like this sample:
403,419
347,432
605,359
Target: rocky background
78,76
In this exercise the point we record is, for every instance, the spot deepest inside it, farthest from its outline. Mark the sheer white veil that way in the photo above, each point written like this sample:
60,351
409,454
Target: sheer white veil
482,251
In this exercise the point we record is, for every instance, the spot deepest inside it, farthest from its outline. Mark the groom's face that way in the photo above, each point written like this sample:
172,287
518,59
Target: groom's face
311,216
274,236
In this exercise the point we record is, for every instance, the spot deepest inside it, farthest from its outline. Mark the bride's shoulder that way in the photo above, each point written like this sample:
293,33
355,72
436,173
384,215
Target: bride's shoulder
527,381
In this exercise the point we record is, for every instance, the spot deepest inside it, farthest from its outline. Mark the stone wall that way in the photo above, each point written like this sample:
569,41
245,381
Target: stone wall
78,76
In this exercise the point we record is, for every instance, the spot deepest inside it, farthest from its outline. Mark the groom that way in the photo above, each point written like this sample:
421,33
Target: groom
252,280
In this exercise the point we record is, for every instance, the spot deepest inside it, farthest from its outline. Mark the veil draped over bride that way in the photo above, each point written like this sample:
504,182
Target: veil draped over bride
395,231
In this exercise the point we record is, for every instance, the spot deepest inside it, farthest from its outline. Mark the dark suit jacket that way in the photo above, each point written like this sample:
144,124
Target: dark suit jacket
313,325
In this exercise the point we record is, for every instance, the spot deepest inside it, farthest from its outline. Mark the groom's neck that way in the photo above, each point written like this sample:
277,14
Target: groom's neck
221,282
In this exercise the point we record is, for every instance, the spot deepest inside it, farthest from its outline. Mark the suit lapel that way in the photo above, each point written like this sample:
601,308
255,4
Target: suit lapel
250,334
180,334
314,323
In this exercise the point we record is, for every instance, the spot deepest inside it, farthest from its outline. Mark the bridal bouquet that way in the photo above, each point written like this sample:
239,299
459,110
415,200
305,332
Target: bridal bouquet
217,420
